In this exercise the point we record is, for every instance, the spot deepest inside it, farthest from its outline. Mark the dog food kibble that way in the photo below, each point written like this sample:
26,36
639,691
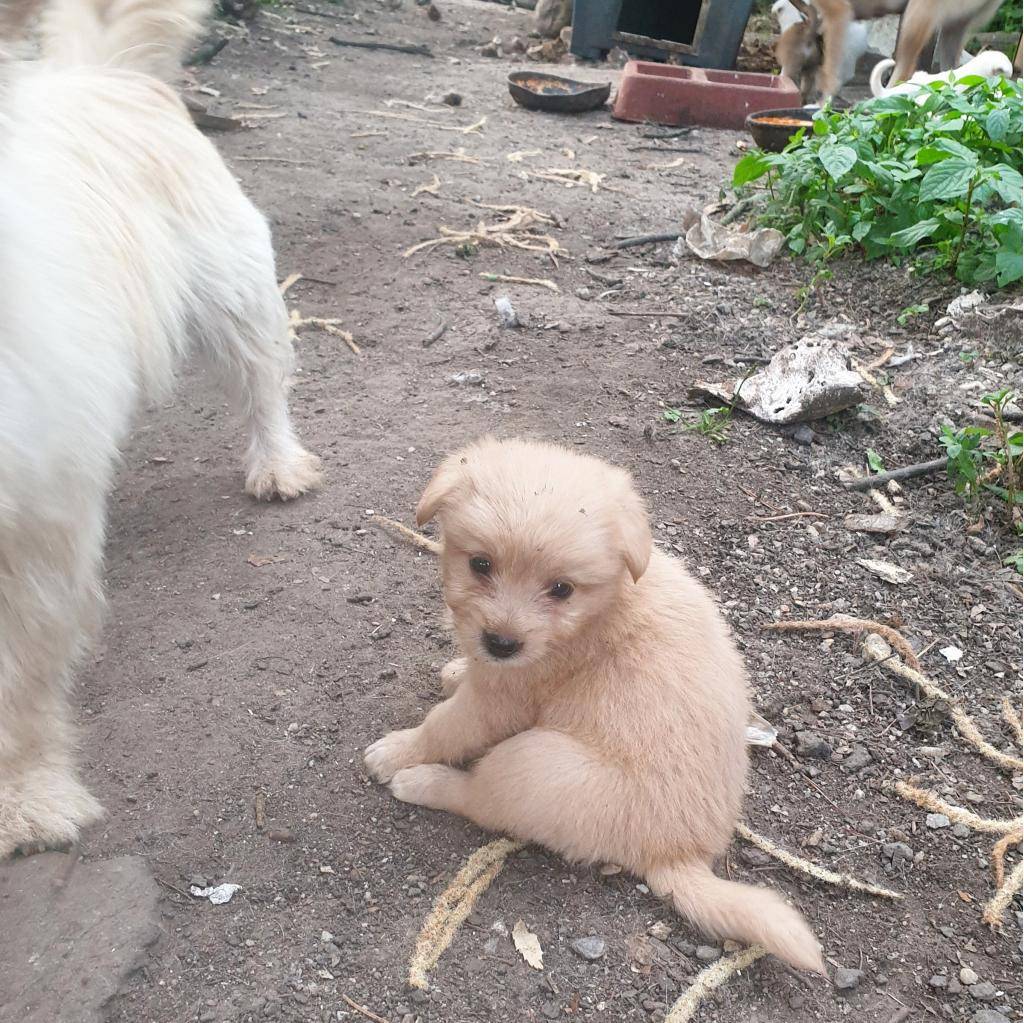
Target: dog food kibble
784,122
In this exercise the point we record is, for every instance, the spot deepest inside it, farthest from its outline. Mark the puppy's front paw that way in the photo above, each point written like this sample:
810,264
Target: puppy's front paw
390,754
431,785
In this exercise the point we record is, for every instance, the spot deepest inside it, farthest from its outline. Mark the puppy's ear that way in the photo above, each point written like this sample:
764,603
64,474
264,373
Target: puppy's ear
634,532
446,480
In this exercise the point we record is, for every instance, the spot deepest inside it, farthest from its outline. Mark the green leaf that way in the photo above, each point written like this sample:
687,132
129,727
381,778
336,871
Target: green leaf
1006,181
911,235
837,159
945,180
750,168
874,460
997,124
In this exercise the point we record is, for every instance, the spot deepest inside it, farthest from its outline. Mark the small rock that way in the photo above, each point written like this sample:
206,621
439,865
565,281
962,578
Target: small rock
936,821
938,980
452,99
551,1010
954,987
989,1016
471,376
660,930
810,744
708,953
591,948
859,758
282,835
968,976
846,979
961,831
986,991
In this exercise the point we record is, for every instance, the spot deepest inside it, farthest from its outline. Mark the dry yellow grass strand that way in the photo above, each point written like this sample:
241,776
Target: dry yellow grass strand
710,978
571,177
812,869
846,623
878,651
996,907
957,814
330,326
540,282
999,855
519,230
1012,719
454,904
407,535
468,129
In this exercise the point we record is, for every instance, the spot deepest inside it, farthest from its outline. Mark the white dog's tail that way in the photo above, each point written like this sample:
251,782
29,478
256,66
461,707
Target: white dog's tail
151,36
879,75
754,916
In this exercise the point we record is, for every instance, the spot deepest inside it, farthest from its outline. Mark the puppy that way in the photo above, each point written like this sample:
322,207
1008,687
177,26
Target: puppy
599,707
124,242
799,47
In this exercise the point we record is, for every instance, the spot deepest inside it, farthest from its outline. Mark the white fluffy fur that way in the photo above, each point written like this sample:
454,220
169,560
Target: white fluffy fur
124,243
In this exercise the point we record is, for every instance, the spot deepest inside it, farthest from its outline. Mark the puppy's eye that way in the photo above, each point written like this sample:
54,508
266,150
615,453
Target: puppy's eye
482,566
561,590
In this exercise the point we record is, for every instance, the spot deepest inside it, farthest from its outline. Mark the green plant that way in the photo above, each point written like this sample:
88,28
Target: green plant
936,183
987,461
875,463
714,423
910,312
671,415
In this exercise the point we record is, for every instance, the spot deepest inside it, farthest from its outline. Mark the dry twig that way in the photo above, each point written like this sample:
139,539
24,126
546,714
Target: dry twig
518,230
407,535
433,188
571,177
996,907
505,279
1012,719
957,814
454,904
999,851
812,869
329,326
362,1010
467,129
845,623
710,978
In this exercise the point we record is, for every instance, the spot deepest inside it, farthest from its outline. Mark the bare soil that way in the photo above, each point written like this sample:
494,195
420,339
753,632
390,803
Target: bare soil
256,650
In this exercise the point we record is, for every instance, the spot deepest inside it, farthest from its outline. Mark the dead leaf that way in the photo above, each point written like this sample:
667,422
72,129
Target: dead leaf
527,945
965,897
887,571
259,560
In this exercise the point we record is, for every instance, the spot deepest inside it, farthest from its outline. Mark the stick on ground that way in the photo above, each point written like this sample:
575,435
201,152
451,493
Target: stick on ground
999,855
957,814
454,904
644,239
418,49
407,535
710,978
812,869
994,910
846,623
908,472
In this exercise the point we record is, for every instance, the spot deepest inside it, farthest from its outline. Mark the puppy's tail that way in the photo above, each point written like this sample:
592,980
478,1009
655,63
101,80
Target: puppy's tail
151,36
727,909
879,73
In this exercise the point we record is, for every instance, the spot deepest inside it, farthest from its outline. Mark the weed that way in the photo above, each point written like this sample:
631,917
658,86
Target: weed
672,415
714,423
875,462
936,183
910,312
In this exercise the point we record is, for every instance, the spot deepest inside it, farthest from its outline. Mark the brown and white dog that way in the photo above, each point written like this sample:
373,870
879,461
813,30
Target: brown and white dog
600,705
125,242
951,20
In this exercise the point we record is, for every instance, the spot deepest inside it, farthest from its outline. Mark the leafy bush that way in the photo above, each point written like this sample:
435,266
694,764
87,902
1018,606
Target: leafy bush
937,183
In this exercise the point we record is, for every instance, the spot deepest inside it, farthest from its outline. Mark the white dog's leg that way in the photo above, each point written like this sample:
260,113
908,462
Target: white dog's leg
49,605
246,338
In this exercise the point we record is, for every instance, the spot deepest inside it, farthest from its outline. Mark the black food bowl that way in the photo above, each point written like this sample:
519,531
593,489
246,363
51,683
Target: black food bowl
772,129
558,95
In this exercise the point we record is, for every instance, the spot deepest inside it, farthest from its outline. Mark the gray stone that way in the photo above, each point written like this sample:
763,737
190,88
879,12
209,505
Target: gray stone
989,1016
589,948
846,979
810,744
968,976
938,980
83,923
859,758
897,853
985,991
935,821
961,831
708,953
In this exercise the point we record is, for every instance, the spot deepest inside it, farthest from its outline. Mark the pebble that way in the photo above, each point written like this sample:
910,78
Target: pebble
846,979
551,1010
938,980
452,99
708,953
591,948
968,976
989,1016
859,758
986,991
935,821
961,831
810,744
282,835
659,930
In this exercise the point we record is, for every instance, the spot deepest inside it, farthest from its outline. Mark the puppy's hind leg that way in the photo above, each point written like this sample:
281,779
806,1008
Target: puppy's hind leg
541,786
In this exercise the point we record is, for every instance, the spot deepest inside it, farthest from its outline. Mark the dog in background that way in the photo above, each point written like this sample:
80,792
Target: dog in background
950,20
799,47
124,243
600,705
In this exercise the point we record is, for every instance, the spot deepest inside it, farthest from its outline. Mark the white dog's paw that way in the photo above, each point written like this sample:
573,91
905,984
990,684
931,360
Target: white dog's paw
390,754
44,809
431,785
285,478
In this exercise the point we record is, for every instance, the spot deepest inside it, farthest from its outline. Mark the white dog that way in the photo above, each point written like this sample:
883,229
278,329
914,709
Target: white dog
124,242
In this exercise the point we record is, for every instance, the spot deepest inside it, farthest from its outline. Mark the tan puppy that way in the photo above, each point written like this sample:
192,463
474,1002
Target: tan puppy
600,694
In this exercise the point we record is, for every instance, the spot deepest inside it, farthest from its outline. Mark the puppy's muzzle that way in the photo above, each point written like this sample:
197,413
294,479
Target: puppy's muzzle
501,647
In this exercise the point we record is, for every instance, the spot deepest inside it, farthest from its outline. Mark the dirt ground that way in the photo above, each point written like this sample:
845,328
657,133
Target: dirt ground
254,651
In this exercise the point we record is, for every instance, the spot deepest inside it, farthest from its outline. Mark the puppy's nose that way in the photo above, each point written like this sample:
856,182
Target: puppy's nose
501,646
